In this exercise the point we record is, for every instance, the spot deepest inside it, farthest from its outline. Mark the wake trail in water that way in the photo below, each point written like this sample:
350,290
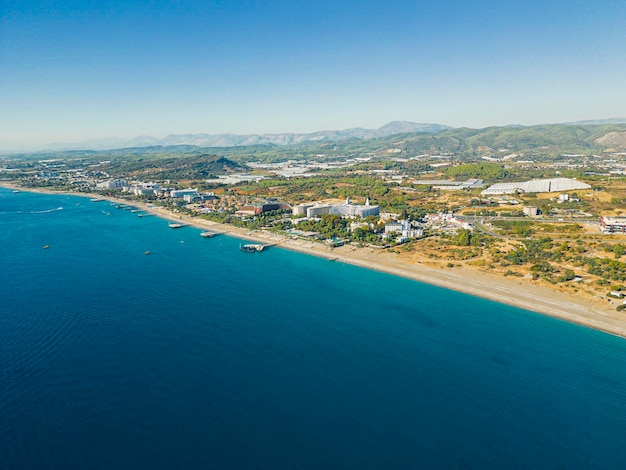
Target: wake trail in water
47,211
32,212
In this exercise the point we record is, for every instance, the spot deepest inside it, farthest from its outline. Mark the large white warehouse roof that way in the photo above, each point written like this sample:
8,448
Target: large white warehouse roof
552,185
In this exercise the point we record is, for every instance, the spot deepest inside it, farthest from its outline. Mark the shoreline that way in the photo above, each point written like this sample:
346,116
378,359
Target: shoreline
514,292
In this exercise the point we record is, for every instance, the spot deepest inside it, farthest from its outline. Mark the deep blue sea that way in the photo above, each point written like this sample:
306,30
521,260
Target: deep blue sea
202,356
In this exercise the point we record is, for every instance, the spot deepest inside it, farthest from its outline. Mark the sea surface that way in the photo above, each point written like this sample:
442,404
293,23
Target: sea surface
199,355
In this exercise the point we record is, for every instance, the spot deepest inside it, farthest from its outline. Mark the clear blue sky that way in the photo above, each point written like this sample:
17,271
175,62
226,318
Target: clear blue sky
72,70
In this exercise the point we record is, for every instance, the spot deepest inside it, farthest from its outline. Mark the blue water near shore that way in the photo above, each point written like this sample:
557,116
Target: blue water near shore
202,356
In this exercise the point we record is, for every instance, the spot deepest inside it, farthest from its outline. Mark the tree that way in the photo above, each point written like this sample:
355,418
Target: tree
463,238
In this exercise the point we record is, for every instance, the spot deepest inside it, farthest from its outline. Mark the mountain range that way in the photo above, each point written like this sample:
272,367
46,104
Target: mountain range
602,133
238,140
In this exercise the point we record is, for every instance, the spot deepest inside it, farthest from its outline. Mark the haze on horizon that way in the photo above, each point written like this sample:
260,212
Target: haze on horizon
76,70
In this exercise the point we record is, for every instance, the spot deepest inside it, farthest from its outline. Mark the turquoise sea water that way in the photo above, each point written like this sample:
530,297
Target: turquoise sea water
202,356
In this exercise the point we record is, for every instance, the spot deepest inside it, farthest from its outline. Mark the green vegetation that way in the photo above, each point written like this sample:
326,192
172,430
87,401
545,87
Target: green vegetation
609,269
548,141
464,237
274,220
193,167
329,226
618,250
517,228
490,171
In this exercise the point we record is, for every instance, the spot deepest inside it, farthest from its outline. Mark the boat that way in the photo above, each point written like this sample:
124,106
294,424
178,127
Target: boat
95,199
45,247
207,234
173,225
252,247
147,253
15,191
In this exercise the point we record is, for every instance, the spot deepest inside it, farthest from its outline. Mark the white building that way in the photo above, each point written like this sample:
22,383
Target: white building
531,211
613,224
112,184
235,178
145,189
318,210
347,209
350,210
403,228
180,193
550,185
300,209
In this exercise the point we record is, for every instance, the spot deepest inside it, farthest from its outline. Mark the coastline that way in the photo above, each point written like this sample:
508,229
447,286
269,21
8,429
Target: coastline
515,292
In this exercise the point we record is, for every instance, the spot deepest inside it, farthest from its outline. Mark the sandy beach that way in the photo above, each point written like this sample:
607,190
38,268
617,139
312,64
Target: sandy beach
593,313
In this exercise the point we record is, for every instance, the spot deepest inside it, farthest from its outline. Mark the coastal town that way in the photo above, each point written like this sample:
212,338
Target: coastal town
557,224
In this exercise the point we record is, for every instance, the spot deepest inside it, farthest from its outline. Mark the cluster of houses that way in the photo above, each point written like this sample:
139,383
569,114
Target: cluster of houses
154,189
446,222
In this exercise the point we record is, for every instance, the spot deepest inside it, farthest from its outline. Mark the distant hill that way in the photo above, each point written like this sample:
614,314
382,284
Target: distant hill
556,139
399,138
236,140
599,121
545,141
613,139
185,167
239,140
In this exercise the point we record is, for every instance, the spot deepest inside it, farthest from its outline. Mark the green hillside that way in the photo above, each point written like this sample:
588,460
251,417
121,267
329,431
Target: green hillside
546,141
187,167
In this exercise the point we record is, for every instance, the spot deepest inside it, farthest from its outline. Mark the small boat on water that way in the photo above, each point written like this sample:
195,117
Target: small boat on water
147,253
45,247
95,199
207,234
252,247
173,225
